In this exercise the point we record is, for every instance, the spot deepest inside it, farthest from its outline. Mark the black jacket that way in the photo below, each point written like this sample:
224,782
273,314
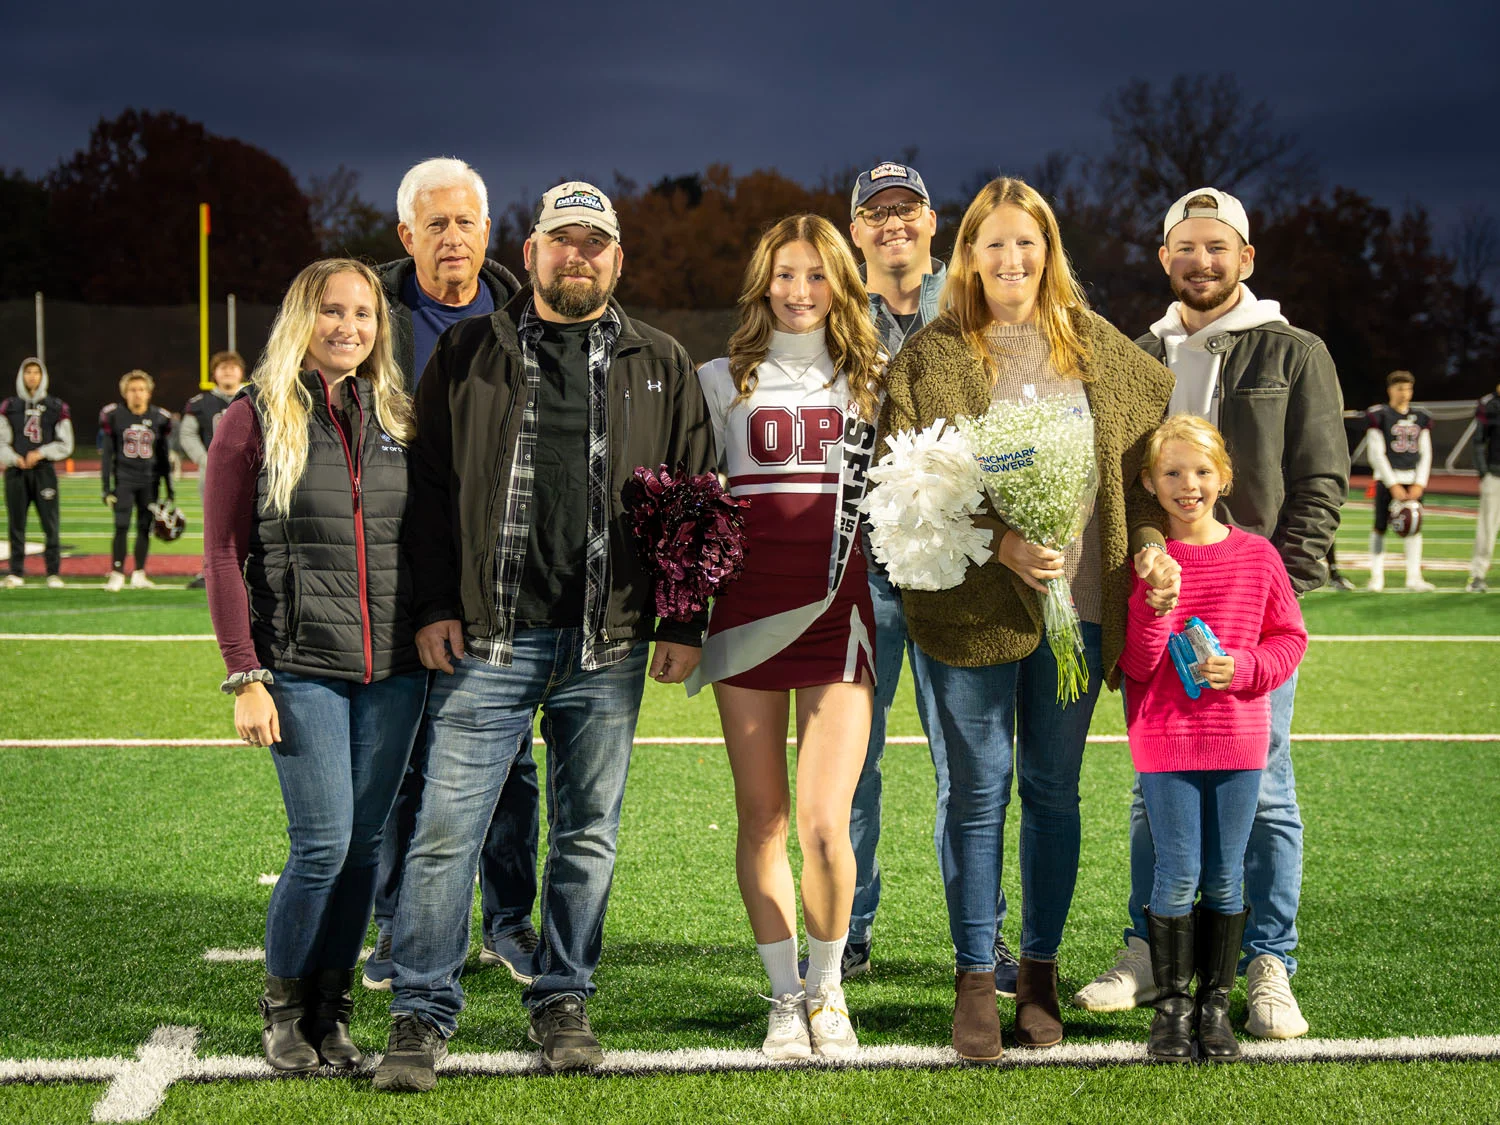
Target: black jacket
330,591
501,282
468,416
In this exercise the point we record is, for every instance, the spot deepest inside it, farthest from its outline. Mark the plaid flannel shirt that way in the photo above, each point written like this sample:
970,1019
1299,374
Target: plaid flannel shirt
515,529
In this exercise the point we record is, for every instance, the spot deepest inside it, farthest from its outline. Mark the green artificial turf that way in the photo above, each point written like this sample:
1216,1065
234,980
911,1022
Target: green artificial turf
119,867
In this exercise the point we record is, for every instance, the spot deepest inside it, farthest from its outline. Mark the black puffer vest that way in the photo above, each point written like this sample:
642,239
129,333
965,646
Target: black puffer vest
330,594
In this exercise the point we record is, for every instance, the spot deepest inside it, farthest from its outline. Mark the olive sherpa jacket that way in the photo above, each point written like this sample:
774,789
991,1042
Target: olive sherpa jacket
993,617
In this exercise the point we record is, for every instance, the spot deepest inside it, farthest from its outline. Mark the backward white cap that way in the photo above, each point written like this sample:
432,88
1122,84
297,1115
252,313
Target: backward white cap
1225,207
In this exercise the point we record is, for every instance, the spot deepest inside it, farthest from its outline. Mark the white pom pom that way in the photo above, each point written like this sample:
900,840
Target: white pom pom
925,490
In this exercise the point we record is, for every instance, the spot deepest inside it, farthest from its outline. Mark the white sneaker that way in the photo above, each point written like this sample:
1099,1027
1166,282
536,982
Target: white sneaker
139,581
1128,985
1421,586
12,581
787,1035
115,582
828,1023
1377,581
55,582
1274,1013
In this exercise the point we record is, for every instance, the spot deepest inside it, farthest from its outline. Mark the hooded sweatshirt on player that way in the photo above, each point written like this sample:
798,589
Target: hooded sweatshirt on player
34,420
1194,363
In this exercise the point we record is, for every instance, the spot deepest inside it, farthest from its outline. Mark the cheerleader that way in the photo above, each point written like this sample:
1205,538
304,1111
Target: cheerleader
794,406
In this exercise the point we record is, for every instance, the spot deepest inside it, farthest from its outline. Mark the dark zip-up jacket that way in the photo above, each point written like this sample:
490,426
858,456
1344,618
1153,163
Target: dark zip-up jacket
469,407
330,591
1282,416
501,283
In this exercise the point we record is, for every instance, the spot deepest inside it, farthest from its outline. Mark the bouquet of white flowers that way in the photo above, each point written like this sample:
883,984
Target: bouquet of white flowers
921,497
1038,464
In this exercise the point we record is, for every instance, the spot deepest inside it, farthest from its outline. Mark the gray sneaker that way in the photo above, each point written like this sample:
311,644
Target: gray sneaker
1476,586
1007,968
412,1053
516,950
562,1030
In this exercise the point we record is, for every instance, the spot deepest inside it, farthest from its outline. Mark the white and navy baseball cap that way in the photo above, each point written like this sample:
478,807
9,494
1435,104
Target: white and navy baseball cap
1208,203
577,202
882,176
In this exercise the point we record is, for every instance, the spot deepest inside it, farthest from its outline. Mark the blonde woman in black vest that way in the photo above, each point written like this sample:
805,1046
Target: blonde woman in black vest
310,602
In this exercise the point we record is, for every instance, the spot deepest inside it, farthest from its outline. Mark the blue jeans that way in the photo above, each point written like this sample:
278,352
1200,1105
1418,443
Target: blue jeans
891,646
478,719
343,749
507,862
1202,823
1273,858
988,716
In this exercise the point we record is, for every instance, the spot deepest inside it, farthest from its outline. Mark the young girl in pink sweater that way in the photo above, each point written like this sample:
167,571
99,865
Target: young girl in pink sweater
1199,760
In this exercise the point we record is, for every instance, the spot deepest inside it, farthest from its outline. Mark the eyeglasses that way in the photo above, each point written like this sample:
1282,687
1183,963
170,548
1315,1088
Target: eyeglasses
906,211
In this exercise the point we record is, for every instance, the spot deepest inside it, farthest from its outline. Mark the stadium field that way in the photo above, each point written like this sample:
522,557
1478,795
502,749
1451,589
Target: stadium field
121,866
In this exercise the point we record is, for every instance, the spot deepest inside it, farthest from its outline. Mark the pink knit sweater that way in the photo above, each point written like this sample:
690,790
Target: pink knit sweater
1240,588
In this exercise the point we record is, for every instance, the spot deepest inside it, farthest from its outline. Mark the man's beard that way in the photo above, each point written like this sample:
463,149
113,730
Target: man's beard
1210,299
568,298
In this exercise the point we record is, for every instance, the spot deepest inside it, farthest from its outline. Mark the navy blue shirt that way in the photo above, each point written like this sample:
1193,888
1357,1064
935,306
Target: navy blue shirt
430,318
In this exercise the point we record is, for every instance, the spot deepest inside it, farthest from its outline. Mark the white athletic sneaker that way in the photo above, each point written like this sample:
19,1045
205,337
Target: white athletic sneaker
55,582
828,1023
115,582
1274,1013
139,581
1377,579
1128,985
1421,586
787,1036
12,581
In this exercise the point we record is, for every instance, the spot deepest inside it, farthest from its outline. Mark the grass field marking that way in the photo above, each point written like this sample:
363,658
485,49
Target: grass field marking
267,880
144,638
1421,638
141,1086
256,953
690,740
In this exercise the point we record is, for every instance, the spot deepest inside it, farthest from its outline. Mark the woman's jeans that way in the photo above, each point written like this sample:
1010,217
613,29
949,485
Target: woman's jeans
342,753
1200,822
987,716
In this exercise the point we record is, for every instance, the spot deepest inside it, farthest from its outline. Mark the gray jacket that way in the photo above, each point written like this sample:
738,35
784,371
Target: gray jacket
1281,413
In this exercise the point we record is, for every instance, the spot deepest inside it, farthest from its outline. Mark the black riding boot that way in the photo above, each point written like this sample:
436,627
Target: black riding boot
282,1007
1172,955
1219,937
328,1027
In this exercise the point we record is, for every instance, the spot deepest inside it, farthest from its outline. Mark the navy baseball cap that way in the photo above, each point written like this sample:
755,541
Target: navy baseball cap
882,176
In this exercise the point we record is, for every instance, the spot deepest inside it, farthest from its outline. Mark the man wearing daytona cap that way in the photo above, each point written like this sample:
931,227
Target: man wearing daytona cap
1272,391
530,596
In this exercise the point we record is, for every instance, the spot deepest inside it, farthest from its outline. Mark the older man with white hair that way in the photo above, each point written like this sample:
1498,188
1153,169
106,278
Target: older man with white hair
444,223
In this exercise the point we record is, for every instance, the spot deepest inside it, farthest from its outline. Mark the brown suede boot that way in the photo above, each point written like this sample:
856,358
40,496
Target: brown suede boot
1038,1018
976,1020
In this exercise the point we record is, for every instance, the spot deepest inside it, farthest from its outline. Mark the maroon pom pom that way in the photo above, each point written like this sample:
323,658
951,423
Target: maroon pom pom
690,534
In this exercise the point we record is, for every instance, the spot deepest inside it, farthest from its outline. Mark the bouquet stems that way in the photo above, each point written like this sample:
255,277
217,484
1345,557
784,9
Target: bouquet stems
1065,638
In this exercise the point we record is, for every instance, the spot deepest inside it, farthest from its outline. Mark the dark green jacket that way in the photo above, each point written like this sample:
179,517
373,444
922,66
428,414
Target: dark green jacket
993,617
1282,416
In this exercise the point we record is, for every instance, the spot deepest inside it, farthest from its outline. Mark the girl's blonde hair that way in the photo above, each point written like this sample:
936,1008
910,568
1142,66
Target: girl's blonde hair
284,403
1191,430
851,338
1058,300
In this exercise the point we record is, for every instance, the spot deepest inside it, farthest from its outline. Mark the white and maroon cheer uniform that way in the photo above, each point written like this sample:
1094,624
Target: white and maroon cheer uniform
778,626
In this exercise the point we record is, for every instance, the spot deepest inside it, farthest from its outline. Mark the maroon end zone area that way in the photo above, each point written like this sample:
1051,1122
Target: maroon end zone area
97,566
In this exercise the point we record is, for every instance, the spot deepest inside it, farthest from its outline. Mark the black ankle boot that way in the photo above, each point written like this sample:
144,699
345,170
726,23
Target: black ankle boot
1218,945
328,1024
1172,955
283,1007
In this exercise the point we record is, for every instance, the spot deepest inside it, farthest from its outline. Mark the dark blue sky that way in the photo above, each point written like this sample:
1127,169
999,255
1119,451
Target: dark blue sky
1396,100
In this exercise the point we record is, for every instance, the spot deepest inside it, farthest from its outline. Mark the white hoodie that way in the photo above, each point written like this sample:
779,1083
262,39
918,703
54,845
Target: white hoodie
1194,365
61,445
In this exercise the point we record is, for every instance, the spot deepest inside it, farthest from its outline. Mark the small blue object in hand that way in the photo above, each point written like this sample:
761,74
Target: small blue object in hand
1190,648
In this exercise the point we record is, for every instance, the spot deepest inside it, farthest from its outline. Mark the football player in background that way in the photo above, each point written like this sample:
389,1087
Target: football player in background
133,465
36,430
1400,452
202,413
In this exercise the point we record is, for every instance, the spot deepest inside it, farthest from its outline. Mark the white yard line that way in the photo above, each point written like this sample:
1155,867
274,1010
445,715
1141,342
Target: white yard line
138,1087
134,638
256,953
688,740
1316,638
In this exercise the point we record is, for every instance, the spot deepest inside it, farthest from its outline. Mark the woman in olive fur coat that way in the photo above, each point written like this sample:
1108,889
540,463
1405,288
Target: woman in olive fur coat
1015,320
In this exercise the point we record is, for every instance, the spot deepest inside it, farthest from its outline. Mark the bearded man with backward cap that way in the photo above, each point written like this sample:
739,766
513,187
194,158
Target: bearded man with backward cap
530,595
1272,391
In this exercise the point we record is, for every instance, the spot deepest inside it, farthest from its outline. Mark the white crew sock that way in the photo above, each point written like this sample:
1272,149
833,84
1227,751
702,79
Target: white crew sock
825,962
1413,547
780,960
1377,561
